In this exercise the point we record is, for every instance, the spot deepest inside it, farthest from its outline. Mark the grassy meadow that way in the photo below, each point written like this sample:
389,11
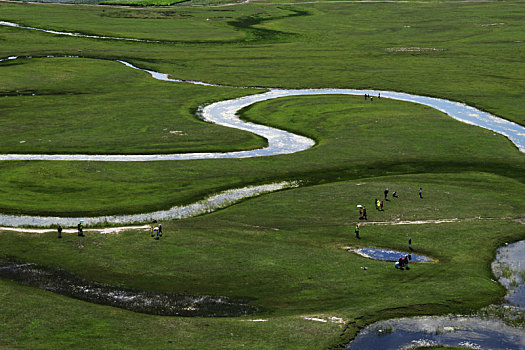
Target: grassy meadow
285,250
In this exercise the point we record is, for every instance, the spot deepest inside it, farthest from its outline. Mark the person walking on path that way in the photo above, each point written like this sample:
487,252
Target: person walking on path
357,231
420,192
410,243
59,231
80,230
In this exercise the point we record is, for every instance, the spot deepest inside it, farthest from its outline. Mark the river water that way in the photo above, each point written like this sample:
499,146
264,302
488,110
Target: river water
472,332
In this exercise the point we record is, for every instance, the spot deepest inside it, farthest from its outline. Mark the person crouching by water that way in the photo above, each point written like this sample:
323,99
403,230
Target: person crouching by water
156,232
402,263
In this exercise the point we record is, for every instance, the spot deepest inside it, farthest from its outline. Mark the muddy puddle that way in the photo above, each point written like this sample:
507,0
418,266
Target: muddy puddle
150,302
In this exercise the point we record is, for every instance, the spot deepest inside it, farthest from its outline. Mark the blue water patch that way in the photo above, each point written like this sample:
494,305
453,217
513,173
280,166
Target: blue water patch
406,333
388,255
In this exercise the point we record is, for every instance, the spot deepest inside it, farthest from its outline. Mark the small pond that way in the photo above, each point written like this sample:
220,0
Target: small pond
387,254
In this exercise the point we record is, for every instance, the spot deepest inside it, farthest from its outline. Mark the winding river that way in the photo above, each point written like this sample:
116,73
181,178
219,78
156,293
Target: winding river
280,142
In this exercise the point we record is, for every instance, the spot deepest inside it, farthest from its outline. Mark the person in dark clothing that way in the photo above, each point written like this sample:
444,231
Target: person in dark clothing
386,194
406,262
364,213
59,231
420,192
410,244
401,263
160,230
395,195
80,230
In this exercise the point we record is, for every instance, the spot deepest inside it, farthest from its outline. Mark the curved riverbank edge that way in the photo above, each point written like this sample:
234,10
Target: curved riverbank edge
456,330
281,142
207,205
144,301
383,254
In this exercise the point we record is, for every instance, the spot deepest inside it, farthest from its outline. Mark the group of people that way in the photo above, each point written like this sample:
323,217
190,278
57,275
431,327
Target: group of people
402,263
155,231
379,204
80,230
367,96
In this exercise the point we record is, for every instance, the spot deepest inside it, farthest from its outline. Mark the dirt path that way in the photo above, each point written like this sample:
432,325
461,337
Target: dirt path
435,221
107,230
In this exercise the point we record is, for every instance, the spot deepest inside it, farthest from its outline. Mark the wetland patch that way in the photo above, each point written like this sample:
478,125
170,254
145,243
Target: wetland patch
144,301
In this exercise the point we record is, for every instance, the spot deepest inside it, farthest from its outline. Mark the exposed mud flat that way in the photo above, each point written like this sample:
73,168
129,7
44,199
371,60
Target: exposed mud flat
150,302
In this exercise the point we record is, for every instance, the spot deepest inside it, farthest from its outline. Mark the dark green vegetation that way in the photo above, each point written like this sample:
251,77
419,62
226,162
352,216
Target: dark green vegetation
142,2
285,251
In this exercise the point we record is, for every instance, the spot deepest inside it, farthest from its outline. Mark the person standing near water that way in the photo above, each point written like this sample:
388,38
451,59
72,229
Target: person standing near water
160,230
59,231
80,230
410,243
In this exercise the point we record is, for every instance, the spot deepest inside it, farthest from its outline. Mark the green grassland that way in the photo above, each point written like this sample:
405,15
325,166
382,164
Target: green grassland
284,251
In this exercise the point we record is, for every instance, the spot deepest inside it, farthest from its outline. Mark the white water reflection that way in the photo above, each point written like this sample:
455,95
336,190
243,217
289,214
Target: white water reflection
207,205
282,142
457,331
78,35
509,268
